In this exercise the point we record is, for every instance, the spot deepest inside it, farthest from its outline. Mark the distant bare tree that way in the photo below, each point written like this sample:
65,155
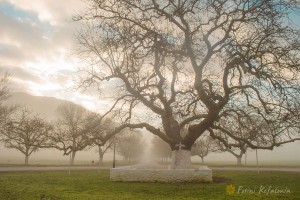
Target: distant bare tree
130,146
5,110
203,146
99,129
237,152
72,130
4,88
108,145
26,132
161,149
248,126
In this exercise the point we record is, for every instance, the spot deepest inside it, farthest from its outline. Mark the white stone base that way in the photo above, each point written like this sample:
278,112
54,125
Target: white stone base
181,159
136,174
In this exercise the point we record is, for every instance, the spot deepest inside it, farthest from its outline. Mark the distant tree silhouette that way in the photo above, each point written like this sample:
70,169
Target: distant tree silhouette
99,129
203,145
130,146
5,110
26,132
72,132
161,149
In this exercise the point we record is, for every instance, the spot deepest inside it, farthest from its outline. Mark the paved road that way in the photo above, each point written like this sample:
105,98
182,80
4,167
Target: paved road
46,168
287,169
63,168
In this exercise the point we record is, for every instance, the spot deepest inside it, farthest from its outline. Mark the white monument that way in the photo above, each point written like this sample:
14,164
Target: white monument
138,173
180,171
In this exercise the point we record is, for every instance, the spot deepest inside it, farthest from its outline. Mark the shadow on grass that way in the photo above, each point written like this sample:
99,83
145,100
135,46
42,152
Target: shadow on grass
219,179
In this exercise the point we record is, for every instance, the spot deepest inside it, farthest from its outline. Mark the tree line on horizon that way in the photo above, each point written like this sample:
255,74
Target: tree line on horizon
75,129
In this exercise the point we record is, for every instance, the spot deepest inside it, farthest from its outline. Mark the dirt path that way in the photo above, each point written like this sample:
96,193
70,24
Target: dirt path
47,168
287,169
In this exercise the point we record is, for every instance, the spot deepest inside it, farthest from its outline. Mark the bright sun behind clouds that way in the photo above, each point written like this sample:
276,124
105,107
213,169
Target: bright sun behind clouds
36,42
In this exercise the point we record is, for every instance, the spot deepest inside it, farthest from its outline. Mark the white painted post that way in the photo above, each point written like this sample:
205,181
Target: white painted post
257,163
70,164
245,157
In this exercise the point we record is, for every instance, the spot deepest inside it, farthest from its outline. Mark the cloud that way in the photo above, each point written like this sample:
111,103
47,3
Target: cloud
33,51
29,39
49,11
36,48
19,73
10,55
21,37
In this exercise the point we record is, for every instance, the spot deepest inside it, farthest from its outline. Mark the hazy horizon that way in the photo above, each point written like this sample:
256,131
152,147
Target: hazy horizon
286,154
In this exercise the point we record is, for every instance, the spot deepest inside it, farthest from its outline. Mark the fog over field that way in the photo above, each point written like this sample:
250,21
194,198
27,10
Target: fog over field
285,155
46,107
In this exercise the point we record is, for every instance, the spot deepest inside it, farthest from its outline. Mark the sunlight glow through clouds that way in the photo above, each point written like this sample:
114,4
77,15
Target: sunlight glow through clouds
36,42
47,66
9,41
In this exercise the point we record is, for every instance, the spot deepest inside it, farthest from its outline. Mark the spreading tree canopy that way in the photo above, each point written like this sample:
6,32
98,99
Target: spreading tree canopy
202,64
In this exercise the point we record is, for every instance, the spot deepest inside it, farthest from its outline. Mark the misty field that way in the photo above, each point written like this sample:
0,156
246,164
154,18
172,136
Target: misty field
91,185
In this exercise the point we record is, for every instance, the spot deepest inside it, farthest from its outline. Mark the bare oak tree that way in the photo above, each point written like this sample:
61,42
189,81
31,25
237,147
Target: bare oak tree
5,110
130,146
72,131
99,129
26,132
237,152
203,145
195,63
105,147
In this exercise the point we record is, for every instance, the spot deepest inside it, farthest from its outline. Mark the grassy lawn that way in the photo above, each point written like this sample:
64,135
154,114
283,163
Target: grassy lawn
90,185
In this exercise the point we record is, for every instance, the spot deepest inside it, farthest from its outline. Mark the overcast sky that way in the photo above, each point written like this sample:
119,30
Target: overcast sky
37,47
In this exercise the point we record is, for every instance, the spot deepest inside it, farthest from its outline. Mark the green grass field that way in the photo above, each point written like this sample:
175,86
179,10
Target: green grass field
90,185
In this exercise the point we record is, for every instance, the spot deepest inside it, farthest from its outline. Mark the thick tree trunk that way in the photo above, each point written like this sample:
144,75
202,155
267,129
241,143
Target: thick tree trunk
181,159
26,159
239,161
202,159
